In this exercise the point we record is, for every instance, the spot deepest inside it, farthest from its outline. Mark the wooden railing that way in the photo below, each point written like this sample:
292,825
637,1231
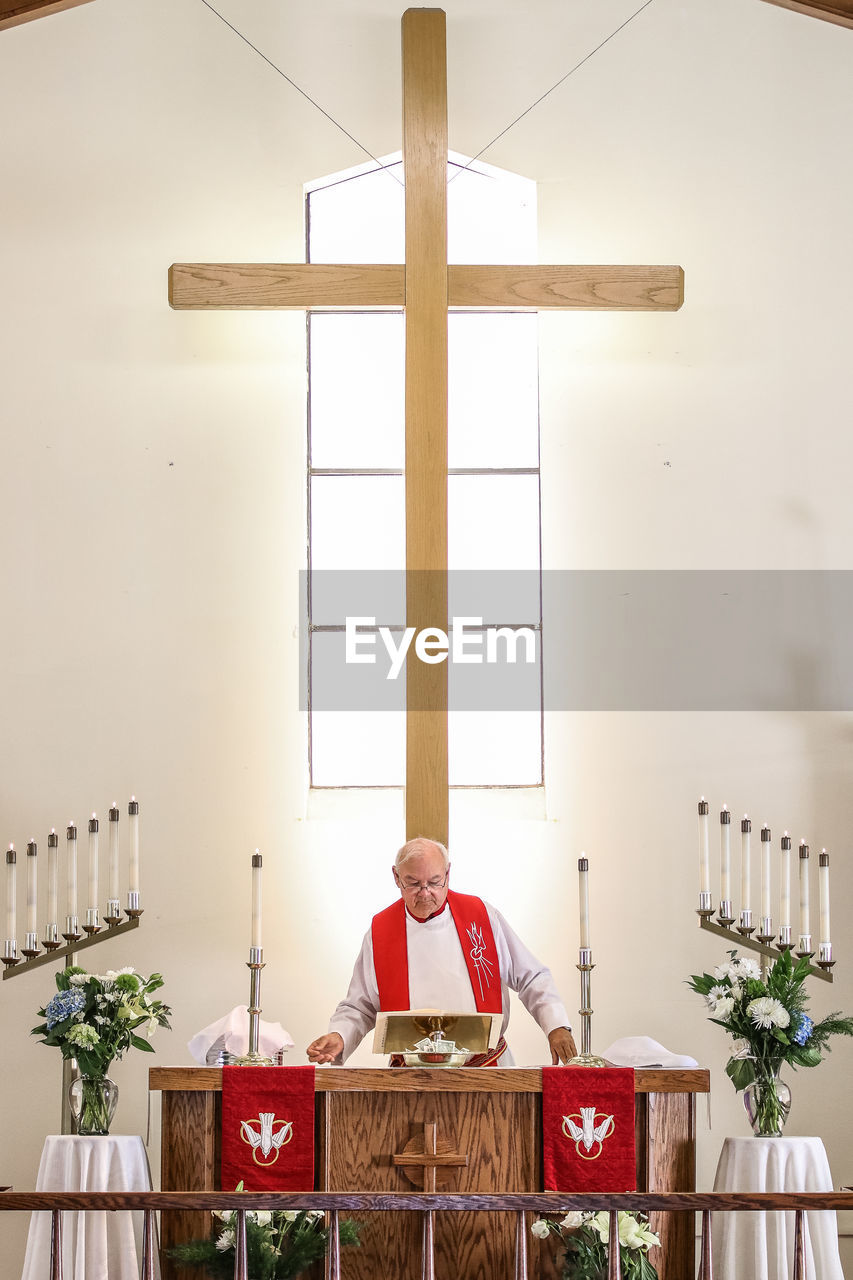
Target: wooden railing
334,1203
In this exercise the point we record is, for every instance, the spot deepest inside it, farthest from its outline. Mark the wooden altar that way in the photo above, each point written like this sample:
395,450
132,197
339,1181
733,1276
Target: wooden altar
405,1130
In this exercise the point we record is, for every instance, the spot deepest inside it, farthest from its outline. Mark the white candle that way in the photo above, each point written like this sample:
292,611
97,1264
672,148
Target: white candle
52,877
583,898
133,870
257,864
765,873
785,886
745,863
805,925
32,886
11,892
93,863
725,856
71,882
113,855
823,882
704,848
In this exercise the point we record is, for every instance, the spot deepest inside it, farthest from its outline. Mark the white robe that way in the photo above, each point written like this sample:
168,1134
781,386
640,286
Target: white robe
438,979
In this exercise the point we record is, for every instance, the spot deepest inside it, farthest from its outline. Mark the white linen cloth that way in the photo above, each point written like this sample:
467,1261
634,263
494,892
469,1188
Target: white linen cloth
231,1033
438,979
95,1246
641,1051
760,1246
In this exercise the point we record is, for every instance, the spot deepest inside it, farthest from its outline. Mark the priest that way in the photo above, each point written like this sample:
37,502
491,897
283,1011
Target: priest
437,949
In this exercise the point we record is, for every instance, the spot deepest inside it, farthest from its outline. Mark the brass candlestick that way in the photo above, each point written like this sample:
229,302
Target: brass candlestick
586,1058
252,1058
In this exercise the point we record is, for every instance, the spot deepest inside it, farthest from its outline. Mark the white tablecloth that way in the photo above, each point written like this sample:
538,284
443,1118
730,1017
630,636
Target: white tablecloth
95,1246
760,1246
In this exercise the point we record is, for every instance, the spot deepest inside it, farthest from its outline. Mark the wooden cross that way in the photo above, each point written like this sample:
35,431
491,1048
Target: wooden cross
426,286
429,1153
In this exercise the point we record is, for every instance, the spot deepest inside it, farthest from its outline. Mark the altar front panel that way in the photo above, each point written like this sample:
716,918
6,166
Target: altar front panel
492,1115
497,1132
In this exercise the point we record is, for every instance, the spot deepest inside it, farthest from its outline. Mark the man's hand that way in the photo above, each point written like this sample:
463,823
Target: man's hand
562,1044
326,1048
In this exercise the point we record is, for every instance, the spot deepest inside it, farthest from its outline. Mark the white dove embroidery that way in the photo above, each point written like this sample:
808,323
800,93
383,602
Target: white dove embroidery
266,1140
587,1133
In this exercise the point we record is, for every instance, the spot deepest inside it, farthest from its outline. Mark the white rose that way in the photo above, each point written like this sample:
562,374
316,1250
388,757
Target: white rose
541,1229
573,1220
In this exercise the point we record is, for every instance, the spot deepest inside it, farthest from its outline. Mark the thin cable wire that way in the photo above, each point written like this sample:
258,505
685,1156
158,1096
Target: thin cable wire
562,80
295,86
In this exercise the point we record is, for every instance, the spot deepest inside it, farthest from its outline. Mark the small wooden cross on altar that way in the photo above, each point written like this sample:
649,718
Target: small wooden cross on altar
429,1154
426,286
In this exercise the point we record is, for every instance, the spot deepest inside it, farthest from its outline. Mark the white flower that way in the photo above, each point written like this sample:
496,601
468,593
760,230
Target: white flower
741,1049
263,1217
634,1234
719,992
226,1240
314,1215
290,1215
748,968
572,1220
727,970
224,1215
723,1008
736,991
540,1229
78,979
767,1012
601,1223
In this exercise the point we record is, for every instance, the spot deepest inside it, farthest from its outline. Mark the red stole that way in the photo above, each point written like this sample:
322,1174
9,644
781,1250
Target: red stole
391,960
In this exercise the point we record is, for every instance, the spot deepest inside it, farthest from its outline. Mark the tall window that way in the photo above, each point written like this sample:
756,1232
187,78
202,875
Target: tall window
356,455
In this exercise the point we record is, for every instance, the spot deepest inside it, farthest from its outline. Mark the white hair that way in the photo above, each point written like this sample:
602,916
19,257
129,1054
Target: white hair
418,846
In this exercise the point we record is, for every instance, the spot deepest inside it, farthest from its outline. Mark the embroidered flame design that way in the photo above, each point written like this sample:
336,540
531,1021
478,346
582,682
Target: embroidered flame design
482,966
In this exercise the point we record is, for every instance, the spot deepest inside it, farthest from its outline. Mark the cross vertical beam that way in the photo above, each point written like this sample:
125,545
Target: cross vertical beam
425,169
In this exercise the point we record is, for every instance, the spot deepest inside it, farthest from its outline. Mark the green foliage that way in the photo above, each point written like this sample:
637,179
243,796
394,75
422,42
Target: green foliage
279,1244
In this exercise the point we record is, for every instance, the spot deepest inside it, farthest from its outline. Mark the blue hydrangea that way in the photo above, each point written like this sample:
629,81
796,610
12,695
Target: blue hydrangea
805,1026
63,1004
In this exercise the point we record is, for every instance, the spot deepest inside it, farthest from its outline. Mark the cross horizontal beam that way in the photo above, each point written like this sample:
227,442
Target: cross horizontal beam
14,12
260,286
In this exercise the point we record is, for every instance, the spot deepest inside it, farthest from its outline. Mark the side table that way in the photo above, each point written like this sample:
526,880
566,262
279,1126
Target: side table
95,1244
760,1246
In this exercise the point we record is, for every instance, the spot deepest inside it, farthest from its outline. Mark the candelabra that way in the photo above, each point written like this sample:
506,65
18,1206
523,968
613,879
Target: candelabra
78,933
763,943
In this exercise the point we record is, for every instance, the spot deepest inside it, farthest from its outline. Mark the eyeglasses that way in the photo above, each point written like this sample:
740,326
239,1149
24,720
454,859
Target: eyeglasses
410,885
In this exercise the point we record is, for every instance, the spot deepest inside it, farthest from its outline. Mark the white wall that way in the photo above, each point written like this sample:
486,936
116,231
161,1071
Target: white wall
153,495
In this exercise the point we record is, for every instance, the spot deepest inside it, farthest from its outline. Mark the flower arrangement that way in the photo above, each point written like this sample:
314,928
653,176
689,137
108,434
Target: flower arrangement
584,1238
767,1021
279,1244
95,1017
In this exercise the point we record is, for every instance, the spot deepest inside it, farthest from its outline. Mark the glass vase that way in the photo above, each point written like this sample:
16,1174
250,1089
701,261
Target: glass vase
767,1100
93,1102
